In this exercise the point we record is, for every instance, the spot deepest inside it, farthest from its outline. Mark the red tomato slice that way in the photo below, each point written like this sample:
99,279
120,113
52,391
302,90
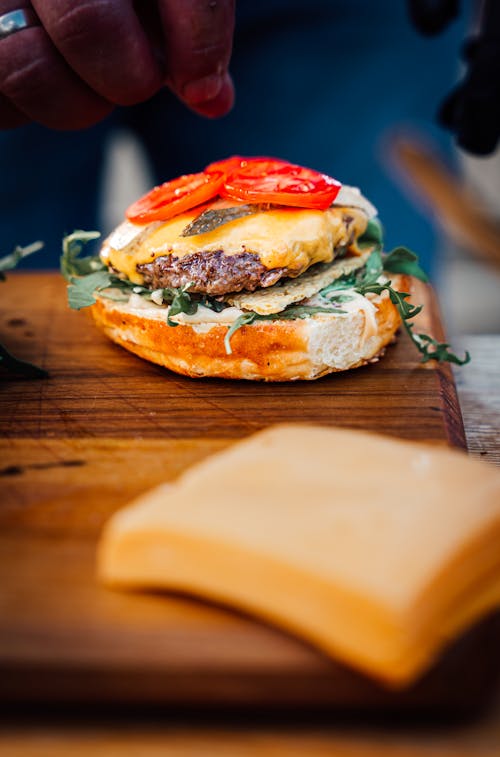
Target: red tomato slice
236,162
281,183
175,197
226,166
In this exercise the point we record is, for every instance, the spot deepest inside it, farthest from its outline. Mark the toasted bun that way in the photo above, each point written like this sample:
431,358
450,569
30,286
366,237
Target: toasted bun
281,350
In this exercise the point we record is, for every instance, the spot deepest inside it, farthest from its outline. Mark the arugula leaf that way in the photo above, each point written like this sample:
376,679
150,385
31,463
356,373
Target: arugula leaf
244,320
400,260
9,262
403,260
210,302
70,261
84,275
124,288
440,350
81,289
298,311
340,298
289,314
373,236
343,282
14,364
179,302
7,360
407,311
366,280
373,269
367,275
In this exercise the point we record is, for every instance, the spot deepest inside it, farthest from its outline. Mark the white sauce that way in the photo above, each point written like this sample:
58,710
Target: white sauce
205,315
357,304
202,315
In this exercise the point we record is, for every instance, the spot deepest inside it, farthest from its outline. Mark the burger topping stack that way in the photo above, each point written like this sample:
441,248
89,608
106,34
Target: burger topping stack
250,240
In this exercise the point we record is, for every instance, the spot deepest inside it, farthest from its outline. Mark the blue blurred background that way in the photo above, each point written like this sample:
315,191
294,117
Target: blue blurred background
323,83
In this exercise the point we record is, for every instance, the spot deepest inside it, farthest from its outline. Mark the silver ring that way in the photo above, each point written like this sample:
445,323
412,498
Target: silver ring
15,21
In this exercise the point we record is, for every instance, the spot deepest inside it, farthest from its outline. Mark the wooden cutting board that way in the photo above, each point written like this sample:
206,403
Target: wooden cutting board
104,427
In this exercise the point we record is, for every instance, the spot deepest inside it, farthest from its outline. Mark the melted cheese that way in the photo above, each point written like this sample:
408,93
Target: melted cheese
276,298
373,549
283,238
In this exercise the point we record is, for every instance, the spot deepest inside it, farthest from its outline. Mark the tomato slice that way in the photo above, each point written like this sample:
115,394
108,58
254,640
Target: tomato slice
281,183
175,197
226,166
232,165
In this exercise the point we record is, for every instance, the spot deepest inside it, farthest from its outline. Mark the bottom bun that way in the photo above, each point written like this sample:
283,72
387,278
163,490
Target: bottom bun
282,350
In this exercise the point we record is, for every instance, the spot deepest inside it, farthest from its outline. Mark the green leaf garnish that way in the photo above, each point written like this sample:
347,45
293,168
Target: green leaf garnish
7,360
14,364
70,261
431,349
88,275
343,282
179,302
339,298
423,342
366,280
212,304
403,260
9,262
298,311
374,268
81,290
373,236
84,275
244,320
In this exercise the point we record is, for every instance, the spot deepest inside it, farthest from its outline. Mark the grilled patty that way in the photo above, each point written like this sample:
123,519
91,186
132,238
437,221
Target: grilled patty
210,272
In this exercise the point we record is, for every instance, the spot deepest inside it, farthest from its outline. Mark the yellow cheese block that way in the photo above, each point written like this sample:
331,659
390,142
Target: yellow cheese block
376,550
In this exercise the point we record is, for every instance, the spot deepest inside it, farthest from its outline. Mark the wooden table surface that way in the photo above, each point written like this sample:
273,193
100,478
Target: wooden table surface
47,733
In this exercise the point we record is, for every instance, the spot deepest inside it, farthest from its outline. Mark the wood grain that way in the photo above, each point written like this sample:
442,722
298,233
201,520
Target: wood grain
157,739
105,426
478,384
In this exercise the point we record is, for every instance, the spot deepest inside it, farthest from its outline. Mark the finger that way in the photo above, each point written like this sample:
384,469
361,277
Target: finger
10,116
198,41
472,110
219,105
105,44
474,119
36,81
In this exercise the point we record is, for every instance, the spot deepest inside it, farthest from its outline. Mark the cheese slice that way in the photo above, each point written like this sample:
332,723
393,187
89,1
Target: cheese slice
291,238
376,550
276,298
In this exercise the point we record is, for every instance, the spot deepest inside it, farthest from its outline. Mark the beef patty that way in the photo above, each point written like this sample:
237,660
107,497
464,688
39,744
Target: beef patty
210,272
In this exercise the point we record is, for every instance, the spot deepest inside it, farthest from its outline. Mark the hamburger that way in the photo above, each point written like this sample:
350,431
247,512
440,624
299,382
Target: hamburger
255,268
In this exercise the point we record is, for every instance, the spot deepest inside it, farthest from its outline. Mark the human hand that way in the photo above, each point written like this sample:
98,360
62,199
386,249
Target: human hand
472,109
70,63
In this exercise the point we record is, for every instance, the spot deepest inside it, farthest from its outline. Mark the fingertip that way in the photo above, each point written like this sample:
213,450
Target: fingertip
221,104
